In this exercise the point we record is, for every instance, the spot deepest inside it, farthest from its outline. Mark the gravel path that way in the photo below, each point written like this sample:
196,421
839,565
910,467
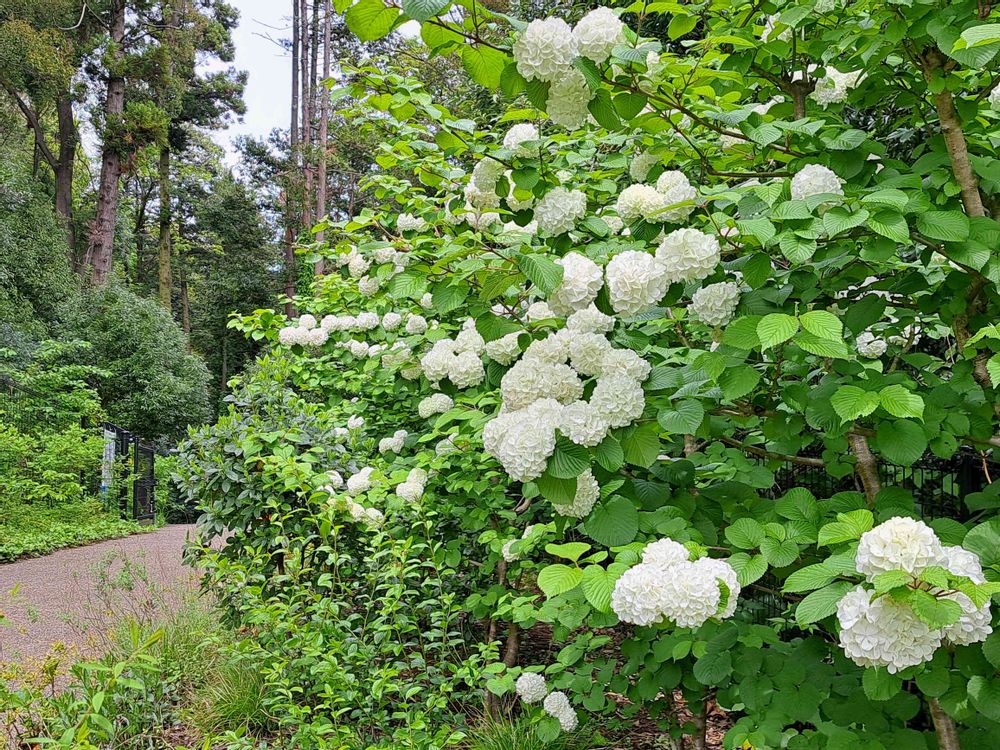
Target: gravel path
66,603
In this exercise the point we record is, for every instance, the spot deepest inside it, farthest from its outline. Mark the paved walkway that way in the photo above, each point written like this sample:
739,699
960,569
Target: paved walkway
69,601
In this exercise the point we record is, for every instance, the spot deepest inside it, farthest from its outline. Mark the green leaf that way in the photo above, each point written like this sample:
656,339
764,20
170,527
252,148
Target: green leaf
991,649
775,329
556,490
447,297
851,402
937,613
512,82
597,585
934,681
808,578
558,579
738,381
838,219
745,533
421,10
978,36
682,418
847,528
749,568
492,327
571,551
613,523
890,224
984,540
879,685
900,402
484,65
984,692
742,333
891,579
569,460
888,197
821,603
409,284
833,348
681,25
370,19
951,226
713,668
797,249
609,454
779,554
824,324
603,110
640,445
543,271
901,442
860,314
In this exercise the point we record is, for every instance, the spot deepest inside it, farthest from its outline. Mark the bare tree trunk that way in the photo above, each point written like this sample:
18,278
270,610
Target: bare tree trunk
699,740
305,45
866,466
68,139
102,234
289,267
185,305
324,124
944,725
296,52
166,278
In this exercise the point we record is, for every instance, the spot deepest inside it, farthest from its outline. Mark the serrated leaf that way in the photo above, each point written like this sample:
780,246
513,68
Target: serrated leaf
838,219
833,348
890,224
879,685
492,327
822,323
603,110
609,454
900,402
821,603
775,329
745,533
613,523
851,402
421,10
542,270
888,197
779,553
935,612
682,418
370,19
808,578
847,528
571,551
742,333
558,579
640,445
984,692
484,64
738,381
951,226
901,442
556,490
569,460
749,568
597,585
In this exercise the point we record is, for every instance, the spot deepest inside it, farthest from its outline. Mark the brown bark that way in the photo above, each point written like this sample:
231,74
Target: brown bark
866,465
166,279
185,306
324,124
289,264
944,726
294,129
97,261
513,645
305,143
700,721
68,140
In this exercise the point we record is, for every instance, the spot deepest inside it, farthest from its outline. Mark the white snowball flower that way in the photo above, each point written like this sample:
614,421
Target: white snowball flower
386,254
505,349
559,209
815,179
675,189
975,624
469,340
898,544
291,335
482,220
640,201
416,324
410,223
329,323
665,553
545,50
485,175
391,321
390,445
960,562
834,87
581,423
437,403
466,370
360,482
627,363
532,379
367,321
582,280
597,33
538,311
567,102
374,516
618,399
692,594
356,510
334,478
358,348
523,440
869,346
553,348
587,352
641,163
307,321
355,422
640,595
531,687
557,705
636,281
519,135
590,320
316,337
994,98
883,632
427,301
615,223
715,304
358,265
724,572
368,286
587,492
411,492
437,362
688,255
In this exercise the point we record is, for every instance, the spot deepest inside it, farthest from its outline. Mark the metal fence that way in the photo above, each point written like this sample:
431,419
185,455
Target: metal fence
939,488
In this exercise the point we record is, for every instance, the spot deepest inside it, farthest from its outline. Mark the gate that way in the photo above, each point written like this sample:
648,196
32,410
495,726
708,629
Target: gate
121,445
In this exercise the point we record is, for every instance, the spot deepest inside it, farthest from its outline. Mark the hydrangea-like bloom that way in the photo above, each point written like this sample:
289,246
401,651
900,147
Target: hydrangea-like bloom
641,163
518,136
883,632
387,254
960,562
545,50
466,370
358,265
538,311
505,349
316,337
618,399
688,255
994,98
582,280
870,346
834,86
567,103
427,301
436,363
368,286
590,320
360,482
815,179
640,200
974,626
374,516
355,422
410,223
292,335
597,33
724,572
715,304
469,340
559,209
531,687
436,403
899,544
587,352
485,175
587,492
516,204
665,553
409,491
416,324
307,321
391,321
627,363
581,423
553,348
640,595
367,321
390,445
675,189
557,705
358,348
533,379
636,281
615,223
692,594
522,441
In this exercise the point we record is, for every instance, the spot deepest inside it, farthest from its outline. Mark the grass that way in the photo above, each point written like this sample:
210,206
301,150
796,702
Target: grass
33,530
521,735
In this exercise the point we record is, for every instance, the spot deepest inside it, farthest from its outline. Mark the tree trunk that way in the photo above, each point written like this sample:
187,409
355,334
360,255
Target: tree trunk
305,45
944,725
324,124
866,465
68,139
185,307
165,272
102,233
289,267
139,230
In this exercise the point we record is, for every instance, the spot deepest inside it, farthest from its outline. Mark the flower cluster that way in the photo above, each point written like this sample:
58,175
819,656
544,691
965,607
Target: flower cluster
436,403
557,705
304,333
636,281
360,482
410,223
834,87
413,488
587,492
558,211
666,585
815,179
457,359
688,255
581,282
393,444
518,136
870,346
715,304
885,631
